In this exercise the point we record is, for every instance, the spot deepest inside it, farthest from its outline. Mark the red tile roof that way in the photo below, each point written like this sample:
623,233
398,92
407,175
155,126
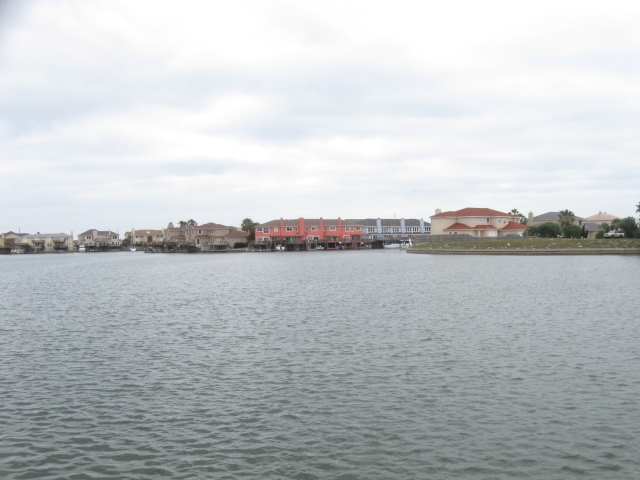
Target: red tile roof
459,226
473,212
514,226
462,226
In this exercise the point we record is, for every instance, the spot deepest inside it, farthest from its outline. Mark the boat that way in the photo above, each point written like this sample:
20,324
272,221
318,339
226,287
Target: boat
398,244
281,247
82,248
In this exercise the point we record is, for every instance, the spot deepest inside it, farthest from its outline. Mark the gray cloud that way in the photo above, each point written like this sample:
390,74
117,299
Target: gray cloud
282,109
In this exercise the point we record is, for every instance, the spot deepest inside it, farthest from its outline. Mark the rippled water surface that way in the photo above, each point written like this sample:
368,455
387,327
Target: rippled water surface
332,365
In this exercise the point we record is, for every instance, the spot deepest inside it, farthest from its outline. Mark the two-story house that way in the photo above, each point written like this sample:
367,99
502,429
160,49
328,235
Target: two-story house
477,222
206,237
98,240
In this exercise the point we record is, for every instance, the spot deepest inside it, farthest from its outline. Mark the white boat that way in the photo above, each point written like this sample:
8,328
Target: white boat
281,247
81,248
398,244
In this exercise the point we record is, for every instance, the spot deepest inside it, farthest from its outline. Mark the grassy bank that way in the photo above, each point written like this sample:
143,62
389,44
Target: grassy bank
533,244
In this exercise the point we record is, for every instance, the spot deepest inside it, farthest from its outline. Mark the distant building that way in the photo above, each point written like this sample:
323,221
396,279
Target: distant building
553,217
594,223
12,242
205,237
99,239
477,222
145,236
321,233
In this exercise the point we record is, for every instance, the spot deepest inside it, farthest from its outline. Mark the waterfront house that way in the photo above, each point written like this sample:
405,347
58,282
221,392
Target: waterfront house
477,222
206,237
309,234
99,240
36,243
10,241
392,228
145,236
321,233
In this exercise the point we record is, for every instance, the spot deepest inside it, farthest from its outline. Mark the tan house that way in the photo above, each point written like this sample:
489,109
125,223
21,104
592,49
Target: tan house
553,217
477,222
594,223
37,243
11,241
98,239
145,236
205,237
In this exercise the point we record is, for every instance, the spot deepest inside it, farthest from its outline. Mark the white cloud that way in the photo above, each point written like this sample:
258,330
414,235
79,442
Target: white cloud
219,111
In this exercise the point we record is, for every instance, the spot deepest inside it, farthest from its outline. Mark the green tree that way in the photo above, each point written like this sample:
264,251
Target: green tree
638,208
629,226
566,218
550,230
572,231
249,226
183,223
584,233
523,219
532,231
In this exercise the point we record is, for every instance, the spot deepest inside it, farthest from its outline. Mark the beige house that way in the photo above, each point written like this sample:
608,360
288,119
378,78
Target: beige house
594,223
37,243
602,217
145,236
553,217
477,222
205,237
98,239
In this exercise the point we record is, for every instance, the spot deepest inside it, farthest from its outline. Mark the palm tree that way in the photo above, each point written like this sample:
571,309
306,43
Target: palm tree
514,211
638,208
566,218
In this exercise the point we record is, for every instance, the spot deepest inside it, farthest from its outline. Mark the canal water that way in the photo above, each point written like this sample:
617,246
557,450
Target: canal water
319,365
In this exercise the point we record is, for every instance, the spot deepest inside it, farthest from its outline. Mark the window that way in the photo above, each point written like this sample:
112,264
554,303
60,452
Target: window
348,229
198,241
289,229
275,229
333,229
385,229
259,229
199,233
88,237
314,229
265,229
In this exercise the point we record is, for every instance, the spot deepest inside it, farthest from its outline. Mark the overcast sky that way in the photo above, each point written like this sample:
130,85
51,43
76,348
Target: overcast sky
116,114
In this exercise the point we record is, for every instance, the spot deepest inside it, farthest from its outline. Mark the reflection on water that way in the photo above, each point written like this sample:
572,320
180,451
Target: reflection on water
353,365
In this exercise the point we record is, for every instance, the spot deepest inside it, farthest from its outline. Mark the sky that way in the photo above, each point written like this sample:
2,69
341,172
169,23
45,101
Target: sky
119,114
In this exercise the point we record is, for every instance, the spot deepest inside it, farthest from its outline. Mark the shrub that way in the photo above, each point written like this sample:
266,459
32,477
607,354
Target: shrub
532,232
550,230
600,234
572,231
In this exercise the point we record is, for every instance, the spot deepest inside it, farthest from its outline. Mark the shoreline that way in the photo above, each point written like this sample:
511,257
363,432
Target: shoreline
523,251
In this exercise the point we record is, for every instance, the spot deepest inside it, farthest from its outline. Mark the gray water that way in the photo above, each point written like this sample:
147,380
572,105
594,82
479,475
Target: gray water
329,365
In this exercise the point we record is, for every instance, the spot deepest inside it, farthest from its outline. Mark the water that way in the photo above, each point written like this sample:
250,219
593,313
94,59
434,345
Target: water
330,365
